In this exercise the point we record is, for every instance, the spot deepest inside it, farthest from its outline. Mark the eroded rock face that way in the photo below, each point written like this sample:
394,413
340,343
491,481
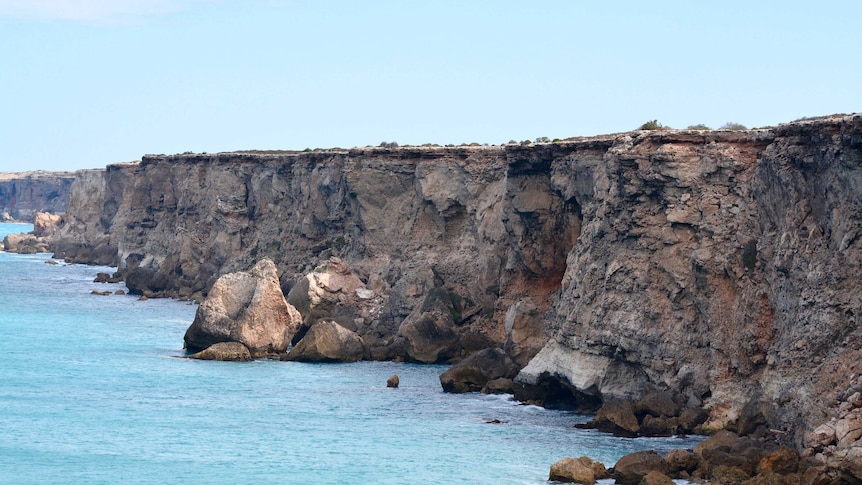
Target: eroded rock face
327,341
245,307
719,266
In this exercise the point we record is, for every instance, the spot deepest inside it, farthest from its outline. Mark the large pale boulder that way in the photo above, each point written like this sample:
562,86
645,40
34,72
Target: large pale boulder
327,341
245,307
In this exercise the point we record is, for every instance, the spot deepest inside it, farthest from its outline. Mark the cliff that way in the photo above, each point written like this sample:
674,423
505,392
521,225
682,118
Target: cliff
24,194
719,265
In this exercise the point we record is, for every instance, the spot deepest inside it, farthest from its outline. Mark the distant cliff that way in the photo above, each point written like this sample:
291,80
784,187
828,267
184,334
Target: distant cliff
722,266
24,194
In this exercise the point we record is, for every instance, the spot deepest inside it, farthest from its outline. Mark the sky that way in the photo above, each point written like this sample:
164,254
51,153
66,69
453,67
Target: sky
86,83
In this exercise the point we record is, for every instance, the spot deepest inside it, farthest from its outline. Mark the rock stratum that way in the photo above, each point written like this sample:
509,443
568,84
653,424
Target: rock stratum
24,194
721,267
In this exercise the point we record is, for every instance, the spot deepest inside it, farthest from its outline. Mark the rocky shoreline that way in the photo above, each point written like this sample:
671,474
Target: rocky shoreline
714,270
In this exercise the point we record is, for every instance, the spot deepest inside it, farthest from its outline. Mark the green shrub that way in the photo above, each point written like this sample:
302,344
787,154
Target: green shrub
653,125
730,125
699,126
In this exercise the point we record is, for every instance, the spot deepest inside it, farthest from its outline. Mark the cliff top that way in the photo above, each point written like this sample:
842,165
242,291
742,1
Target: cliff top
34,174
665,135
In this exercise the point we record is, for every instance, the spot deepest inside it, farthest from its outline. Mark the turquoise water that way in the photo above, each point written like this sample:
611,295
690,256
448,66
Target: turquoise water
93,390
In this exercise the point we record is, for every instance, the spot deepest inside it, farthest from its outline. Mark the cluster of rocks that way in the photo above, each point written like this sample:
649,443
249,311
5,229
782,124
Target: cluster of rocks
35,241
723,459
834,449
656,414
249,309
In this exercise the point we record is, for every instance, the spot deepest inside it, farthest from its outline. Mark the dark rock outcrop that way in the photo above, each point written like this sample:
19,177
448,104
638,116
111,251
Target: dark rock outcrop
245,307
474,372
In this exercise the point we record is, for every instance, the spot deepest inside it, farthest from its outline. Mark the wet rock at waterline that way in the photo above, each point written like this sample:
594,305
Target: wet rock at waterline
225,351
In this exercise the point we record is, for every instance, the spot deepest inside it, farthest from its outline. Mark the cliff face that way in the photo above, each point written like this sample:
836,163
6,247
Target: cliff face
722,266
24,194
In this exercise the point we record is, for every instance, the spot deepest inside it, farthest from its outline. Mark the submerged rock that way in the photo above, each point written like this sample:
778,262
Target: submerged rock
226,351
327,341
245,307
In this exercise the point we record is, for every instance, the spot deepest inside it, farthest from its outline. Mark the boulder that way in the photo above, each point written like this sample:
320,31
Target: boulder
720,441
577,470
327,341
630,469
245,307
479,368
782,461
393,381
656,478
44,222
616,416
226,351
823,435
25,244
679,461
658,426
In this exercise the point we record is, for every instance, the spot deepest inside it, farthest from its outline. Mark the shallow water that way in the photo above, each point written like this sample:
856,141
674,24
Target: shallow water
93,390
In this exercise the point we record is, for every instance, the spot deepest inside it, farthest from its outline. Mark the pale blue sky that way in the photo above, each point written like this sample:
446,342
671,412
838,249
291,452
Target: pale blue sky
86,83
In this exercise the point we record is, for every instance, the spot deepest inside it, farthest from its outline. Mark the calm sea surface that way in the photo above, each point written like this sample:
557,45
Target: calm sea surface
93,390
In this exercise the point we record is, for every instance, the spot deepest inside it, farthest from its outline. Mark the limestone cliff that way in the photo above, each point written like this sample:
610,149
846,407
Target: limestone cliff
24,194
719,265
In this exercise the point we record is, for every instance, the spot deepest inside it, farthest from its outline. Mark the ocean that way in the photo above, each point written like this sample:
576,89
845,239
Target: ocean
94,389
